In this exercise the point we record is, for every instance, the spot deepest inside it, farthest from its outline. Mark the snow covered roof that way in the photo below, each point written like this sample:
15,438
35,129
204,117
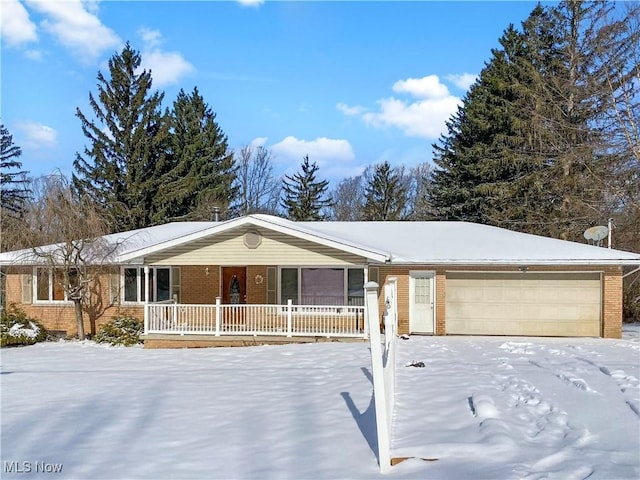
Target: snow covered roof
432,243
469,244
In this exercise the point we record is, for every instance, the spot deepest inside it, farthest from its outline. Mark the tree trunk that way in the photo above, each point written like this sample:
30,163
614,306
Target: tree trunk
78,308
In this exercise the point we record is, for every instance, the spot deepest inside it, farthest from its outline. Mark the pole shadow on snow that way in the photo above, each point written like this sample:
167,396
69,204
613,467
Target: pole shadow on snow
365,420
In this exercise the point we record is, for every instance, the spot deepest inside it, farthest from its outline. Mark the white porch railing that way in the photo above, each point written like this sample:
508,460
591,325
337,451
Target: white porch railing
280,320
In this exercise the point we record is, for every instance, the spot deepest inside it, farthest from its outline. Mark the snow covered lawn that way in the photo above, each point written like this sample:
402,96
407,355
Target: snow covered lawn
486,407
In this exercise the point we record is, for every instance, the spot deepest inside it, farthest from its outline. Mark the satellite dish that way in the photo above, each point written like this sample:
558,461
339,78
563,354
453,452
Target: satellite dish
596,234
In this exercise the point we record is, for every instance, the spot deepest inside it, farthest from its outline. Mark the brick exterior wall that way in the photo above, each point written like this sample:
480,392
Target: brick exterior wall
257,284
612,303
61,317
201,285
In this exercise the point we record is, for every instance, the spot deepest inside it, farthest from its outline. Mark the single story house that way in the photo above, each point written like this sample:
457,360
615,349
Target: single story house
203,283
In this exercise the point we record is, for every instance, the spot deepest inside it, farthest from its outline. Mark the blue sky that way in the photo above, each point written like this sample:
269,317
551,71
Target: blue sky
348,83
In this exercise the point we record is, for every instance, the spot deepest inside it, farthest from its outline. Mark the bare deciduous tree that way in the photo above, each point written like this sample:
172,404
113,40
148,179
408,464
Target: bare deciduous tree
65,233
347,199
258,189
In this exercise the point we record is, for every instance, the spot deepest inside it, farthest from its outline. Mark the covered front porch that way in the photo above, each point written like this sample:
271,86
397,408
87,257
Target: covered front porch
288,320
252,279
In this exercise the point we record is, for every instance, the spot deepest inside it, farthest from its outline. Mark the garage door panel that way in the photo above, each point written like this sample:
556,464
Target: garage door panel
551,304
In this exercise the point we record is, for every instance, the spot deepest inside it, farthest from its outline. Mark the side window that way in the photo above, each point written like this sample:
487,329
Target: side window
289,285
130,284
163,284
355,287
27,288
272,287
175,284
42,284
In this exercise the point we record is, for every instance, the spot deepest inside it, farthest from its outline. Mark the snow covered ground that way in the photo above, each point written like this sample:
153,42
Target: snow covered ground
485,407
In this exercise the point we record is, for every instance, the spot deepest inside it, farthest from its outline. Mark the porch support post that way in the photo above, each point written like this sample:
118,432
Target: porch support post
365,314
289,317
217,316
146,299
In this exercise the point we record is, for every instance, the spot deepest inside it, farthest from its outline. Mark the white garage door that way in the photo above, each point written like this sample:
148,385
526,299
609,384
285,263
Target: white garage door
544,304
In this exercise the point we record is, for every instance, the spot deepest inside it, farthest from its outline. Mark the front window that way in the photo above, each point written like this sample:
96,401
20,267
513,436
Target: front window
49,285
160,284
322,286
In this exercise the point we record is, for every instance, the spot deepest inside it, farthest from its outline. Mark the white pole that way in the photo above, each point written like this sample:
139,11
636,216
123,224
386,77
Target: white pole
366,325
379,397
217,316
610,226
289,317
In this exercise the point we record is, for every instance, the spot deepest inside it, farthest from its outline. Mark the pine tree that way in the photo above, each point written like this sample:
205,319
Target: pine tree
204,170
305,199
483,160
13,190
525,149
122,167
385,193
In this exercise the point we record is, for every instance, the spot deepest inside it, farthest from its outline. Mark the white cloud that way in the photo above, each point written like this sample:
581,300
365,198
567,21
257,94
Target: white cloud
319,150
423,117
259,142
350,111
462,80
334,157
76,27
33,54
250,3
36,135
151,38
15,26
166,67
425,87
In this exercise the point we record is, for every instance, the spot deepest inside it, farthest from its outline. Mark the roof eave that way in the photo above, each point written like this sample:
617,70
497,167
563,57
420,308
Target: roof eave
524,262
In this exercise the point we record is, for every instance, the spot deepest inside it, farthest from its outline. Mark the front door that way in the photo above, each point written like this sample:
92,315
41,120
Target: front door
421,302
234,285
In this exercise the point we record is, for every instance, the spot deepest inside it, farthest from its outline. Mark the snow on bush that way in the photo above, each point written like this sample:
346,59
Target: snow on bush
124,331
16,328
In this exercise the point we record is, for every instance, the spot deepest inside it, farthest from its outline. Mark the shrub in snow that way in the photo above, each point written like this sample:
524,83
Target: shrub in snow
17,328
124,331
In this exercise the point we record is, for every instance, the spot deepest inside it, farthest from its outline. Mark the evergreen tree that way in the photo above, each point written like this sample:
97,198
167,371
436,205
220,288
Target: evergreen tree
482,160
203,174
304,197
122,167
13,190
525,149
385,193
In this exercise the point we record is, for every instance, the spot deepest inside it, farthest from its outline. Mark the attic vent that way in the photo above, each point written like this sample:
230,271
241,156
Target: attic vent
252,239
